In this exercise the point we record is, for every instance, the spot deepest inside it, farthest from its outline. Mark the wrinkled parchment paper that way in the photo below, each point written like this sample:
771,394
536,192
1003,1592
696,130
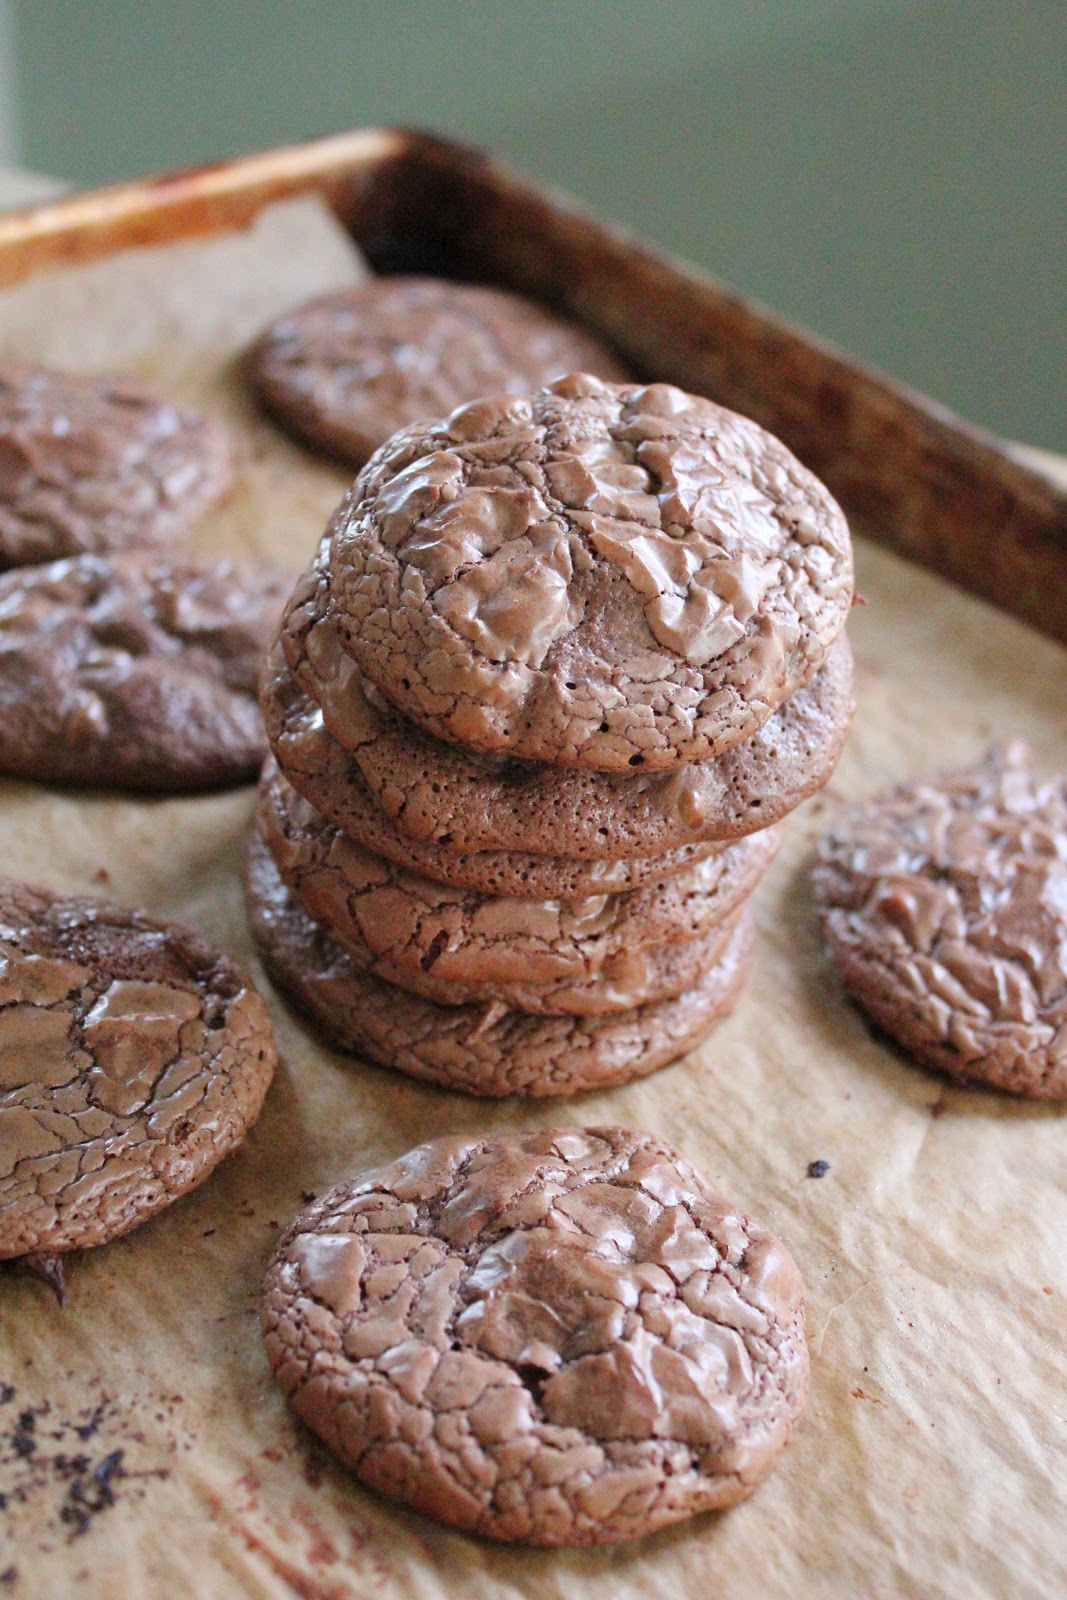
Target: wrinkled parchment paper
932,1460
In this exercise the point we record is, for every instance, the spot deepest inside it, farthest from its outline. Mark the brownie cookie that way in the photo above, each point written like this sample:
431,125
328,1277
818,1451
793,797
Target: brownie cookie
557,1337
98,464
945,909
345,371
331,779
418,926
133,1058
135,672
436,792
606,576
485,1049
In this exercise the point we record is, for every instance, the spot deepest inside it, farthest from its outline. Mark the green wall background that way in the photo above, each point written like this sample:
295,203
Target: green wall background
889,172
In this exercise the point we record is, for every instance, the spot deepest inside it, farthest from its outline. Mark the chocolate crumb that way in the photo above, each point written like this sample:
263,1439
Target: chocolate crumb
817,1169
23,1441
9,1575
85,1430
307,1196
37,1462
47,1266
91,1491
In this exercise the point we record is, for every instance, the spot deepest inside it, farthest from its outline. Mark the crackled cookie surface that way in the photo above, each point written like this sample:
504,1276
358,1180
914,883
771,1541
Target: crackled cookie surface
332,780
348,369
559,1337
135,671
485,1049
600,575
944,905
435,791
133,1058
458,935
98,464
626,978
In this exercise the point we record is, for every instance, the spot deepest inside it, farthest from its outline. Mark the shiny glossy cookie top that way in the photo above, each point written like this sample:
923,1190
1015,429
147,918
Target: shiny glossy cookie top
91,463
133,1057
348,369
135,671
557,1337
600,575
945,907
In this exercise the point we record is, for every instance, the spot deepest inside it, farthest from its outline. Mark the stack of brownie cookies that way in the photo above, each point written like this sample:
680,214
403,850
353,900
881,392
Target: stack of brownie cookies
560,663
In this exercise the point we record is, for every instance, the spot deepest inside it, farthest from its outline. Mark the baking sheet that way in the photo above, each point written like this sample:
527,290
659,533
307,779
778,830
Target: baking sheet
144,1448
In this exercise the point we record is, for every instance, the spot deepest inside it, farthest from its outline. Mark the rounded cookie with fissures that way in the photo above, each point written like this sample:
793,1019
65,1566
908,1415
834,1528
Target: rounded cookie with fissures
348,369
557,1337
133,1058
944,905
435,791
601,575
135,671
99,463
480,1049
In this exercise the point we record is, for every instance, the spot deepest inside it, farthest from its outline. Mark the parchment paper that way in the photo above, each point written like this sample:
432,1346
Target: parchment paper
932,1459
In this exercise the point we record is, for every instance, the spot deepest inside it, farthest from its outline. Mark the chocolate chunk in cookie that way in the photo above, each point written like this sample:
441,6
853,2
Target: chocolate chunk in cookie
345,371
558,1337
435,791
133,1058
487,1049
944,905
98,464
605,576
135,672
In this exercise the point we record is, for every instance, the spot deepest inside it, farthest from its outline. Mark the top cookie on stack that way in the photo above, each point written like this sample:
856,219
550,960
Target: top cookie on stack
566,645
600,575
